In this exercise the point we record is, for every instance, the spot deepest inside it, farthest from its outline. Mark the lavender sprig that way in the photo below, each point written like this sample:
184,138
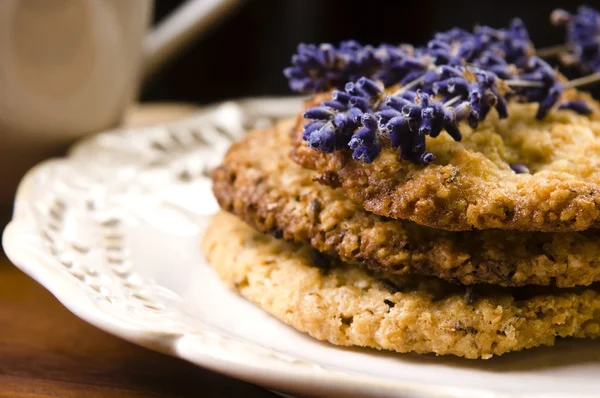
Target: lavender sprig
546,88
320,68
334,121
468,73
512,44
583,37
477,86
403,120
486,47
406,120
400,121
367,143
578,106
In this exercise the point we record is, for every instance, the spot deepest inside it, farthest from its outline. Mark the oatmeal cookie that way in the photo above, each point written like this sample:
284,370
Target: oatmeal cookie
258,182
348,306
471,183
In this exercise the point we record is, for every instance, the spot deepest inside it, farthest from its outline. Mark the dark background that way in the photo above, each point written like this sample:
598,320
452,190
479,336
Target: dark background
244,55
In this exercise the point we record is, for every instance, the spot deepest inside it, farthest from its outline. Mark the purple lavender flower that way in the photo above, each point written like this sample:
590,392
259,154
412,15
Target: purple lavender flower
475,85
519,168
334,121
320,68
583,37
510,46
408,119
366,144
453,35
548,95
360,118
579,106
407,65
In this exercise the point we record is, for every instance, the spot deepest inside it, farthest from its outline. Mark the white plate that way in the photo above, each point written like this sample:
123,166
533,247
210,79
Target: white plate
113,232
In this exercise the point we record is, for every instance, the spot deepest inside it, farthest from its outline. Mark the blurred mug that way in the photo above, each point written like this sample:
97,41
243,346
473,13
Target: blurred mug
72,67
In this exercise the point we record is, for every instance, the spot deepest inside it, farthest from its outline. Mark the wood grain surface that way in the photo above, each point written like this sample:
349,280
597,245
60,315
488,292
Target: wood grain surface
45,351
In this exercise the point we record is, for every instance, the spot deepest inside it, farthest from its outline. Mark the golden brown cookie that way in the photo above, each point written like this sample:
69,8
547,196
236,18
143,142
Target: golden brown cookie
471,184
347,306
258,182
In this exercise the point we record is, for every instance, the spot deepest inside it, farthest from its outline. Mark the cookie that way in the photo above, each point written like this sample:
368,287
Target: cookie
471,183
348,306
260,183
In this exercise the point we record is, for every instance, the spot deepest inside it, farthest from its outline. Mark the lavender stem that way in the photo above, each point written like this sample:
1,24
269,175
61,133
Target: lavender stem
523,83
551,51
452,101
409,85
589,79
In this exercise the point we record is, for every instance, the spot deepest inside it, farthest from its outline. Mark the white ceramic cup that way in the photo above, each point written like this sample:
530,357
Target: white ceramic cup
72,67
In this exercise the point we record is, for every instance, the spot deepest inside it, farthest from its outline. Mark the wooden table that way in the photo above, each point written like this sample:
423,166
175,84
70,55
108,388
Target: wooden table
45,351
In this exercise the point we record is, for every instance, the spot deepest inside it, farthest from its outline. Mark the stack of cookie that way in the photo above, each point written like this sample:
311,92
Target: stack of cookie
311,255
486,243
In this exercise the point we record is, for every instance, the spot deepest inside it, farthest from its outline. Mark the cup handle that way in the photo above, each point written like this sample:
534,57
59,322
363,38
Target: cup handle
188,21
